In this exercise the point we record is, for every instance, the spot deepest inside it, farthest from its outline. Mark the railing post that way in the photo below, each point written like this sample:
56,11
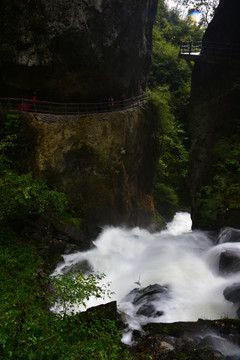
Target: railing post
180,50
190,47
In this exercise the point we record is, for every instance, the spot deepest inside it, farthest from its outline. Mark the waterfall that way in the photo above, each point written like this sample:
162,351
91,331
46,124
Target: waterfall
182,264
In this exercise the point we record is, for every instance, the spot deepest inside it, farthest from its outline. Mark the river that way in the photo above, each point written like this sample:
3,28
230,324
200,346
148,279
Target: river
184,262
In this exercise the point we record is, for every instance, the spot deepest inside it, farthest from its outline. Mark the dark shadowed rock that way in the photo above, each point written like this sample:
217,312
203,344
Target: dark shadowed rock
74,49
229,262
232,293
214,118
201,340
238,313
143,299
149,310
221,344
147,294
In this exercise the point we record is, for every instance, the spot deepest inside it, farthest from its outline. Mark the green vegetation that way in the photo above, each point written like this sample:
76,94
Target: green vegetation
218,200
21,195
29,331
74,289
170,83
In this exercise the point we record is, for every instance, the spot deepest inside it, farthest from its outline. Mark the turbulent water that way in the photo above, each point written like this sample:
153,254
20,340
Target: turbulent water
184,262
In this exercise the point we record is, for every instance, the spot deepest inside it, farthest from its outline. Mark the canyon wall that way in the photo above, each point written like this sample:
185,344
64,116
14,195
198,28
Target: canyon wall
105,163
214,123
75,50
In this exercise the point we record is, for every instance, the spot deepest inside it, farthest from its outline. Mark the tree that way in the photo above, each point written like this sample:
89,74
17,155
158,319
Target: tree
206,7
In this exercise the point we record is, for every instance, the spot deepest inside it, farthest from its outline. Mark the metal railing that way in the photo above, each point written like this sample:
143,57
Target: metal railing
190,47
199,48
46,107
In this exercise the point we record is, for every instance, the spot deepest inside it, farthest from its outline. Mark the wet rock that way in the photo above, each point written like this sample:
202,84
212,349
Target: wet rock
220,344
69,230
143,300
149,310
201,340
229,262
232,293
147,294
81,267
229,235
62,237
238,313
70,248
107,311
41,273
209,354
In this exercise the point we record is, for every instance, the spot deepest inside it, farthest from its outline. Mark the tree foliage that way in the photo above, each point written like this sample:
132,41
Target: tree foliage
170,82
206,7
222,194
73,289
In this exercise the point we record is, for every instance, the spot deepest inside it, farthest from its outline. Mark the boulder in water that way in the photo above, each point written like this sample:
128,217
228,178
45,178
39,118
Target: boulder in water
229,234
149,310
148,294
232,293
229,262
143,299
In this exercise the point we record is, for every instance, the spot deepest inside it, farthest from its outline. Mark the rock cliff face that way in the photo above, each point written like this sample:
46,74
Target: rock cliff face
214,126
75,50
105,163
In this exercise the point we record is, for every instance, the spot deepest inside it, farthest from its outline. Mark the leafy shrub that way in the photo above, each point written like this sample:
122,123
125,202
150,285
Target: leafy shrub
20,194
166,200
29,331
74,289
222,194
173,163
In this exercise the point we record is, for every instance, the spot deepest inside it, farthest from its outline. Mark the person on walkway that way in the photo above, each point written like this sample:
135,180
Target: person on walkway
34,101
111,102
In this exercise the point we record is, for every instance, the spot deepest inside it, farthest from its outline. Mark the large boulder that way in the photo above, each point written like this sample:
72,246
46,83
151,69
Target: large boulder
232,293
229,262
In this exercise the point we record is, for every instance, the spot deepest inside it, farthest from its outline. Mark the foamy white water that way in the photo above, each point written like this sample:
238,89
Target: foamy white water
184,261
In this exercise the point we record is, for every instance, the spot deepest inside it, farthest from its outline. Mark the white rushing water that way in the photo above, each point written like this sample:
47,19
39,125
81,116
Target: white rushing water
185,262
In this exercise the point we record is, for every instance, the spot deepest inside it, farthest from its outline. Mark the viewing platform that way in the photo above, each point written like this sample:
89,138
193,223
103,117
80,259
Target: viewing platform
192,50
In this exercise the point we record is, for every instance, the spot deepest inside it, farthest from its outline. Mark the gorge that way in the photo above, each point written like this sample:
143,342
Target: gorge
164,279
